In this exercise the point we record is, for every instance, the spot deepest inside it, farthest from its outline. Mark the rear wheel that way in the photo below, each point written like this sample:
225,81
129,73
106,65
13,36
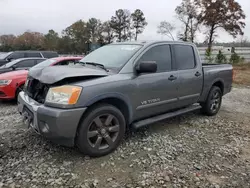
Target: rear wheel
213,103
101,130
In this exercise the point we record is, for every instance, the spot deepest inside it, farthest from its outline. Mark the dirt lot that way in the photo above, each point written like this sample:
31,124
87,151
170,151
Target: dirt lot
242,74
187,151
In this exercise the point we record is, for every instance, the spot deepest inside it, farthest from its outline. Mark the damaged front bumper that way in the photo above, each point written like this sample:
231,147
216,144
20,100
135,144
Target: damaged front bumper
58,125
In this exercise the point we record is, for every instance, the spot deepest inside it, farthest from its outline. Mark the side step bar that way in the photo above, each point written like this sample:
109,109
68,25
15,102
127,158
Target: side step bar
155,119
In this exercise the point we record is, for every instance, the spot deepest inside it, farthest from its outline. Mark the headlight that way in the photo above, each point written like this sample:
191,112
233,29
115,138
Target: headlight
65,95
5,82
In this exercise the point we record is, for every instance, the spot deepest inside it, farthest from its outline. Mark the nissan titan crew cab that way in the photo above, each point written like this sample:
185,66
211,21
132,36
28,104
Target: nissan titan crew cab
118,87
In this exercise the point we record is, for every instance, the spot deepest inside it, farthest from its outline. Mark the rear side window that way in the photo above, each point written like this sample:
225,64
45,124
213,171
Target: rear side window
49,54
33,54
26,63
184,56
66,62
161,55
16,55
39,61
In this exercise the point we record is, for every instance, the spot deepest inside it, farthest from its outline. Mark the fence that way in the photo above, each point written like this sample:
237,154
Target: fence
241,51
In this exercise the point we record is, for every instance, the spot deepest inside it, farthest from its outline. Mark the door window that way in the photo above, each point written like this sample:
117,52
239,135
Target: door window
33,54
16,55
26,63
184,56
161,55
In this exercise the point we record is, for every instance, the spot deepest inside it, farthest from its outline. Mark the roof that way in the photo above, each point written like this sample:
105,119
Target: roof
34,51
20,59
150,42
67,58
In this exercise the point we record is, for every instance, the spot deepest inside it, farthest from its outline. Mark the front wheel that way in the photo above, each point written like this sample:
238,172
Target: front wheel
213,103
101,130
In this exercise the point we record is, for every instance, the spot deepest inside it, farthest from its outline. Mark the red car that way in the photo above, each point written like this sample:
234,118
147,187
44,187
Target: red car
12,83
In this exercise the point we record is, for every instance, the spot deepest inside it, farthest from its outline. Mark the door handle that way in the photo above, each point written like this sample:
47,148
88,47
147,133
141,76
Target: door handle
172,78
197,74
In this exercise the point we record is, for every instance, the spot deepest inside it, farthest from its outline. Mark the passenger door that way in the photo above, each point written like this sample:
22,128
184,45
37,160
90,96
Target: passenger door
156,92
190,74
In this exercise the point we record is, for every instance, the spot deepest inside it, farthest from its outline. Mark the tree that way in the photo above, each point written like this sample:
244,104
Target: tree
51,40
187,14
79,36
220,58
7,42
139,22
94,27
226,14
29,41
107,32
120,23
127,32
166,28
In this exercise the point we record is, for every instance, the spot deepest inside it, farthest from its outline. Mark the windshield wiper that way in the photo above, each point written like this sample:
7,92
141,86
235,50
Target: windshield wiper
95,64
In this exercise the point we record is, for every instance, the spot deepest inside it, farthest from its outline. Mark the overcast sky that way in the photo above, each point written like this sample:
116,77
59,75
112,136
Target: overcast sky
17,16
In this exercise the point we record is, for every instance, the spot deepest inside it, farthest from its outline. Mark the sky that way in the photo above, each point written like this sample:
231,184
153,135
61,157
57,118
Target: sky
18,16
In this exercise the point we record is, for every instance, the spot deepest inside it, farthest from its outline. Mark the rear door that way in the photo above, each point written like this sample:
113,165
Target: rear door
156,92
190,74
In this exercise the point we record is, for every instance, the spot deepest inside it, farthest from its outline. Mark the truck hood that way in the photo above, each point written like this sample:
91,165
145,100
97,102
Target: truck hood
53,74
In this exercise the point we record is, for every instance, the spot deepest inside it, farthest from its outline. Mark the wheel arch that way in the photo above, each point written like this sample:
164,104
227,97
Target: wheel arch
118,100
18,85
219,83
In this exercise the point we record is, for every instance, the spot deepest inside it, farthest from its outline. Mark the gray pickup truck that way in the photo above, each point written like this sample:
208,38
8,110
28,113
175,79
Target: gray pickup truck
118,87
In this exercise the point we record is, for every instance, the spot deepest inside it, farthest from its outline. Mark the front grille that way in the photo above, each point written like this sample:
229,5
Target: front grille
2,94
36,90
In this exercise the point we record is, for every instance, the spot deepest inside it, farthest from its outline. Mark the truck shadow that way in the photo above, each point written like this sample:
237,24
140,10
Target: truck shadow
8,102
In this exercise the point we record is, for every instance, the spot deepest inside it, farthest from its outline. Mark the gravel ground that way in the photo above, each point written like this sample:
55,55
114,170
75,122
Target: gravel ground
186,151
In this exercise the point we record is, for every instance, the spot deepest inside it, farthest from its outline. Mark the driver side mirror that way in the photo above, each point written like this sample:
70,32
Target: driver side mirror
146,67
14,67
9,59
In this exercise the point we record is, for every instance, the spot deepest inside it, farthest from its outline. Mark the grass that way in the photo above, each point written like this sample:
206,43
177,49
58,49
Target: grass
242,74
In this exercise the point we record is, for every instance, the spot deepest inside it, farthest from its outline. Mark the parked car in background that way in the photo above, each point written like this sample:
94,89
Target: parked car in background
10,56
18,64
118,87
11,83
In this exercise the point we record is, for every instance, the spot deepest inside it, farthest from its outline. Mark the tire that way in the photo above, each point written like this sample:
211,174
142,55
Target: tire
101,130
213,103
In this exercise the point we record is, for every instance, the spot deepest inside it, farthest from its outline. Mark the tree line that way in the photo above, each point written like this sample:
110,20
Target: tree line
194,15
209,15
78,37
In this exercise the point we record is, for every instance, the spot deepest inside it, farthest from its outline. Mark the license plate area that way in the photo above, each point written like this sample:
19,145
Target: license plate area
28,117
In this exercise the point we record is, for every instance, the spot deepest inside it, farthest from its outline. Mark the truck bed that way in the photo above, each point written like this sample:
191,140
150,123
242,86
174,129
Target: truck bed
216,73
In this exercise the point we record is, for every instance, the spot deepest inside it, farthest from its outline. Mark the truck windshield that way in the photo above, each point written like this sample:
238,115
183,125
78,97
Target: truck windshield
10,64
4,55
112,56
